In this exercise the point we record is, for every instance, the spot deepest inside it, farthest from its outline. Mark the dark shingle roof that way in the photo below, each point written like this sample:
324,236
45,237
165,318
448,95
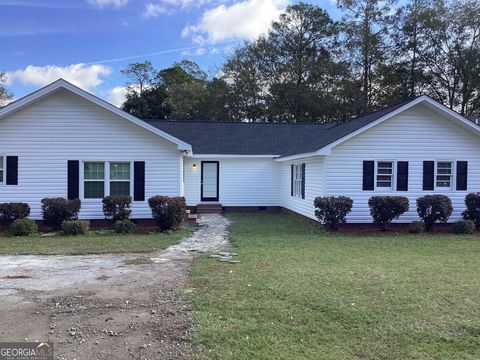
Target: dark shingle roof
284,139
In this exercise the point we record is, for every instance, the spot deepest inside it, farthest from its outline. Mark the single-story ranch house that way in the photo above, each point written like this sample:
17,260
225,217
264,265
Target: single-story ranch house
61,141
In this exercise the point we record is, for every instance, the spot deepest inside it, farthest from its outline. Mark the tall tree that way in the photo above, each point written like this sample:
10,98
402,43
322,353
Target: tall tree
185,85
140,75
5,95
241,72
452,55
291,74
366,25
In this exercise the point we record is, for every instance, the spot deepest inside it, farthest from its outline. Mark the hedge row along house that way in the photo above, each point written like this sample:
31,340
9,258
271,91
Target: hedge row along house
61,141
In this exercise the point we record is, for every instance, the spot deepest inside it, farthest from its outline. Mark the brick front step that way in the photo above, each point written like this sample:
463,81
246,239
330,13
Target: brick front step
209,208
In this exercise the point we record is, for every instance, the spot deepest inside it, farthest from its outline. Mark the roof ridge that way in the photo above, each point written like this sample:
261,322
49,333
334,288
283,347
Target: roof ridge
236,122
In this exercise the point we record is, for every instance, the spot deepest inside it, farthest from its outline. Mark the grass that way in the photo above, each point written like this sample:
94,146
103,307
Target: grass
95,242
299,293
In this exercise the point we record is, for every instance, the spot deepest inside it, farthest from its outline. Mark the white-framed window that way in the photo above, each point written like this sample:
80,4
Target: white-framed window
102,178
297,180
444,174
93,180
2,169
120,178
384,177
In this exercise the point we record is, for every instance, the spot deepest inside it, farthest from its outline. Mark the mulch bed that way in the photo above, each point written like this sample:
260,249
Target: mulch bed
372,229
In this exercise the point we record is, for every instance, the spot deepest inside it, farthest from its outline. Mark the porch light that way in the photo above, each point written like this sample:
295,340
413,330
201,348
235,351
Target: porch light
194,166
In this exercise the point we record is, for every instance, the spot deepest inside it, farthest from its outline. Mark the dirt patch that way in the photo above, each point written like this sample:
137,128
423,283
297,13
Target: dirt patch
98,307
138,261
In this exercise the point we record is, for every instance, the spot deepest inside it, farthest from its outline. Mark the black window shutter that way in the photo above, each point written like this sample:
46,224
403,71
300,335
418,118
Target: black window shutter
462,175
73,181
303,181
139,181
428,175
12,170
402,176
292,169
368,176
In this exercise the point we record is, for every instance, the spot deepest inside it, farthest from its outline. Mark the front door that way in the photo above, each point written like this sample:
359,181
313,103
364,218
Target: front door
209,185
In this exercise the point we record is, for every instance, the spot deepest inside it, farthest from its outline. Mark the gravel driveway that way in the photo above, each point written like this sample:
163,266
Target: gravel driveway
99,307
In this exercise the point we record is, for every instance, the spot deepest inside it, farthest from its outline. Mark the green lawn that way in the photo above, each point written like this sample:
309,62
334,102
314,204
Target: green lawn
301,294
93,243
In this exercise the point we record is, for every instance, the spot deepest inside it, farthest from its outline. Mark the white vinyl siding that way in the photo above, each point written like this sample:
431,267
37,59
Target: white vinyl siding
416,135
63,127
242,181
314,176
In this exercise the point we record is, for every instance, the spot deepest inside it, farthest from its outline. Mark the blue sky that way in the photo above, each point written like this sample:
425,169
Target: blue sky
88,41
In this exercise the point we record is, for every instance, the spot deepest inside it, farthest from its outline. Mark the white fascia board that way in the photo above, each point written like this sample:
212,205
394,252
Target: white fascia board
230,156
62,84
297,156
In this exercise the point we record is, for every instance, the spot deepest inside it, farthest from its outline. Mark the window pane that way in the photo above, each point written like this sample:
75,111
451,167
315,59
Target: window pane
94,171
94,190
1,176
119,171
385,164
119,188
384,174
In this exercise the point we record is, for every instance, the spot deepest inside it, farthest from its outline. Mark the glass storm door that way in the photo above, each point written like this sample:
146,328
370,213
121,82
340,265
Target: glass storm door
209,185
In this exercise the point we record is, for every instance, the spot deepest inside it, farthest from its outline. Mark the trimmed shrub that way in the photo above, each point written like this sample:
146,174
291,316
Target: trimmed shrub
385,209
434,208
472,201
23,227
332,210
9,212
57,210
125,227
117,207
464,227
74,228
168,212
416,227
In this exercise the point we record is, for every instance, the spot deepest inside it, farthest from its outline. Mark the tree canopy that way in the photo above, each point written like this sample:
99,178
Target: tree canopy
310,68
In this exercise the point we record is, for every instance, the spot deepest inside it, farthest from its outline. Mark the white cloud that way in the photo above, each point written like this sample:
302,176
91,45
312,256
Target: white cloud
245,20
117,95
84,76
154,10
112,3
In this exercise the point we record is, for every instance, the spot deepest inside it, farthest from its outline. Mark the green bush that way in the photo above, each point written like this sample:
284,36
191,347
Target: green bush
472,201
117,207
416,227
332,210
384,209
464,227
125,227
434,208
57,210
74,228
23,227
9,212
168,212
